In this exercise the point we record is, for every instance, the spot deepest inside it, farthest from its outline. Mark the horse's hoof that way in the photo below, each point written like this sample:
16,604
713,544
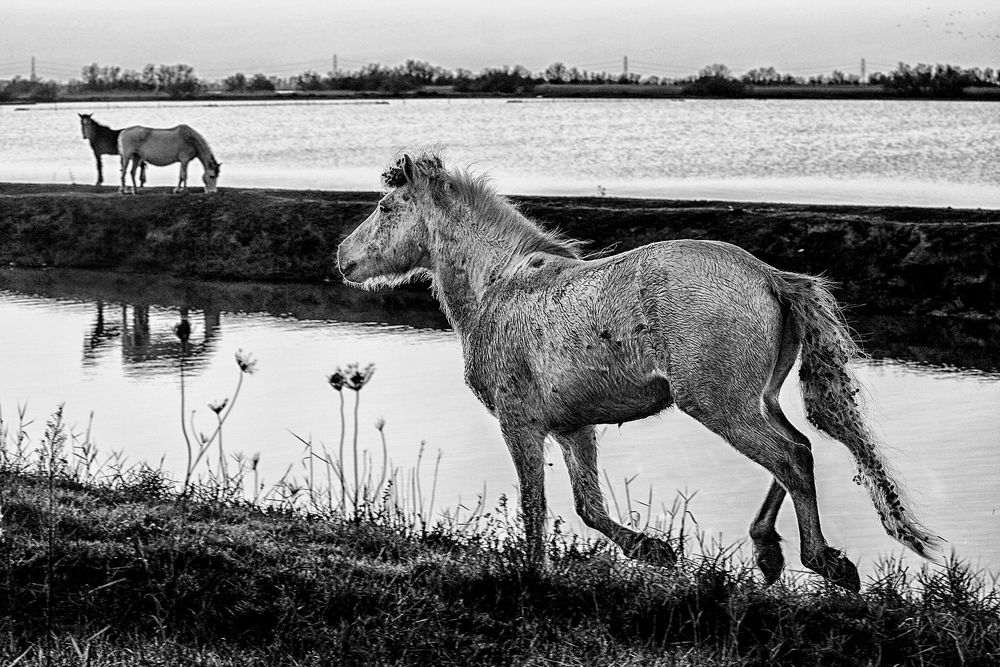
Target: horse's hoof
836,568
654,551
770,560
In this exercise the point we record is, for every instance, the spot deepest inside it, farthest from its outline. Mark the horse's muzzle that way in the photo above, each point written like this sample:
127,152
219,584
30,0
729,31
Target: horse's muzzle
345,265
346,268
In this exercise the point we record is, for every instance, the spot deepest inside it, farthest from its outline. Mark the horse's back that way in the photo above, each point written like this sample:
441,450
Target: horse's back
713,315
158,146
654,325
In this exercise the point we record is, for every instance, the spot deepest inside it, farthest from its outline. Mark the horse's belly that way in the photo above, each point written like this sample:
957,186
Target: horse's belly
159,161
611,402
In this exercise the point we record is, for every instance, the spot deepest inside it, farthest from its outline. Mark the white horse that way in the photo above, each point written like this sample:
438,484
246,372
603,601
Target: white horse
555,344
160,147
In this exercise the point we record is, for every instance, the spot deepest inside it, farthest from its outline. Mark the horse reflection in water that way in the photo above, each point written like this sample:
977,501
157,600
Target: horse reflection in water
554,344
142,346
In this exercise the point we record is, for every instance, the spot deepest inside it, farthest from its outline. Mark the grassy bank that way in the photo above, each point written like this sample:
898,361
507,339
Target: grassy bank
123,571
887,259
347,562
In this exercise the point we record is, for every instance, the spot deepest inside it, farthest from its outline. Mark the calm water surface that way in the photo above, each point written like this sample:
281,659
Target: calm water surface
923,153
103,343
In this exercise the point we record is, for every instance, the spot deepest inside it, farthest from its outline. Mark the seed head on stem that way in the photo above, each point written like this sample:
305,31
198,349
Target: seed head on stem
246,362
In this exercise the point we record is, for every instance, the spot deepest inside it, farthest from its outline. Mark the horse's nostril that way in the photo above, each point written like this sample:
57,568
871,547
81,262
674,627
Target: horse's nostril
346,267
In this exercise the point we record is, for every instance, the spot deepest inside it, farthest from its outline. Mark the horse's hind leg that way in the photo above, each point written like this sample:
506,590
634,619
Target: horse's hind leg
580,452
791,463
142,174
135,165
766,541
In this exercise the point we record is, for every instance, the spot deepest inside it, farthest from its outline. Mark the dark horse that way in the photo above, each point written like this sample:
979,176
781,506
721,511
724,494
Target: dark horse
103,141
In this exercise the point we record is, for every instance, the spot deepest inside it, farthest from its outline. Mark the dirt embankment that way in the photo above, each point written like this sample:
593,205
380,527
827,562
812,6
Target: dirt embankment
887,259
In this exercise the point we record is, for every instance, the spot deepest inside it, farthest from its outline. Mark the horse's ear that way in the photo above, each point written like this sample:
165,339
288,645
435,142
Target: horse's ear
409,171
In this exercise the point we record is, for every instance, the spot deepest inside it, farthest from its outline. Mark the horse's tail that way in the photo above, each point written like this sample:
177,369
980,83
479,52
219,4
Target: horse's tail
828,392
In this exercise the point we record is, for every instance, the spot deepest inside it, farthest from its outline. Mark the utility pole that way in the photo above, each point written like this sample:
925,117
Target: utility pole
625,66
863,77
335,64
33,77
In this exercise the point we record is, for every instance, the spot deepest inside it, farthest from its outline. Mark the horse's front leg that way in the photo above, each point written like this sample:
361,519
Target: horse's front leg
100,170
526,446
182,177
580,452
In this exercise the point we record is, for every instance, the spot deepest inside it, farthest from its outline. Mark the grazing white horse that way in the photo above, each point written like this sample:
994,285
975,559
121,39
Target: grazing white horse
161,147
554,344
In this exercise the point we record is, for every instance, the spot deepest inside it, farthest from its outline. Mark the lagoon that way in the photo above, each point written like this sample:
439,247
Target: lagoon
102,344
894,152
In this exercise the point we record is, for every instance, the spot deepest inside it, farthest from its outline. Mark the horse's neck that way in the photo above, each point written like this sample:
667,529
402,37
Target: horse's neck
104,138
201,149
466,264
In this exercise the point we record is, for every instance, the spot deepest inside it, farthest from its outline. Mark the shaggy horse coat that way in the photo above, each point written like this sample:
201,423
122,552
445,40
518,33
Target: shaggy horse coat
555,344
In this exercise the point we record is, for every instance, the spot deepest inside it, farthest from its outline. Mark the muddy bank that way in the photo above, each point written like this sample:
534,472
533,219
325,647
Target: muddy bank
887,259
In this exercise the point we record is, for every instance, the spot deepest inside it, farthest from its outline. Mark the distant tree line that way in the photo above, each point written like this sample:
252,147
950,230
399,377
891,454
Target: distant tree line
936,80
174,80
919,81
712,80
36,91
180,81
238,83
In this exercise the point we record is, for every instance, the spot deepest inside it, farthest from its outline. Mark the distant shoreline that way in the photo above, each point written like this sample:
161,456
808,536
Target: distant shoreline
547,91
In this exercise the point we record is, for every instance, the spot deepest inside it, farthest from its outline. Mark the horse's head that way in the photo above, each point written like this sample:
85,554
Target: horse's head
211,174
390,246
86,124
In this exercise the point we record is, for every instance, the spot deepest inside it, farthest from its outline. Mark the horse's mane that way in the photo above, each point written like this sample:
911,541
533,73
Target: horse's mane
203,147
493,210
99,126
103,130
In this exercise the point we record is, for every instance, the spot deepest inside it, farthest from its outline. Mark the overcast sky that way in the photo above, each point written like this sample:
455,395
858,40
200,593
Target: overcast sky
661,37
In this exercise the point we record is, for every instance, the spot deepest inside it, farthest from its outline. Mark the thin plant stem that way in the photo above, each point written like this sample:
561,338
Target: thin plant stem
223,472
343,430
385,458
357,401
312,478
329,477
187,438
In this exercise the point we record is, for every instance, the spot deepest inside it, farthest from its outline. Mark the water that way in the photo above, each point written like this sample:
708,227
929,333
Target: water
103,343
922,153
